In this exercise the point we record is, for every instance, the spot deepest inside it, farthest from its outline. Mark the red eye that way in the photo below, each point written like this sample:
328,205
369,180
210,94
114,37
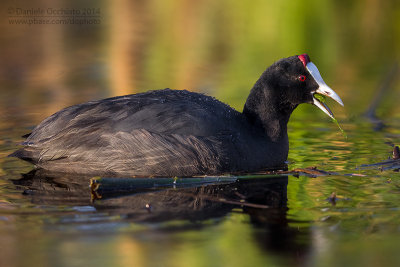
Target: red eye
302,78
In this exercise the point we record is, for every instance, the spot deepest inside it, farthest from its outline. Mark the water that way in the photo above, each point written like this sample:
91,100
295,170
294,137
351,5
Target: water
54,221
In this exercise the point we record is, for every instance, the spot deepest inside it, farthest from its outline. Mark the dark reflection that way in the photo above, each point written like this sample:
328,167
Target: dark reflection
263,199
274,234
47,189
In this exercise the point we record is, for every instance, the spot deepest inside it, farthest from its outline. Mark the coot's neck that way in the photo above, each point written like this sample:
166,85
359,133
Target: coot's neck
265,109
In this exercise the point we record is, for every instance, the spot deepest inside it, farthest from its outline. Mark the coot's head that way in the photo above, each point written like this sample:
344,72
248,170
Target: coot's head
296,80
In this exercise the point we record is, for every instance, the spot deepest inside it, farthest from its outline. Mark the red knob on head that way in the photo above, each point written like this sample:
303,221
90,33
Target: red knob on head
305,59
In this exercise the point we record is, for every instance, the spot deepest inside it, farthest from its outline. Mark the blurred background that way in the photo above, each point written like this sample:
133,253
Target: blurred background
58,53
216,47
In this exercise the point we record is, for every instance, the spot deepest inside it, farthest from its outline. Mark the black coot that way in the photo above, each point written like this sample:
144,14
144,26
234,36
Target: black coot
178,133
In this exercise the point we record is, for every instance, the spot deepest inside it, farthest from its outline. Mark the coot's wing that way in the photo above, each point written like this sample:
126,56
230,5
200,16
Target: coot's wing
138,153
167,129
163,111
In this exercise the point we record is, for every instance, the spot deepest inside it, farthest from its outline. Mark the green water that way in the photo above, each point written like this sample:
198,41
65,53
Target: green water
52,221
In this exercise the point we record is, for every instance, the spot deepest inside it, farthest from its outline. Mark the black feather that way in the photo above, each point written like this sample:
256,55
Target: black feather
172,133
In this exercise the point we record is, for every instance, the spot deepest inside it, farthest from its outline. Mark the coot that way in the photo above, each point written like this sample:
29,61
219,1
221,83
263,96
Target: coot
178,133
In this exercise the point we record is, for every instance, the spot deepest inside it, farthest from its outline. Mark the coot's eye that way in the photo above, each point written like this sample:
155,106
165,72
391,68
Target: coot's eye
302,78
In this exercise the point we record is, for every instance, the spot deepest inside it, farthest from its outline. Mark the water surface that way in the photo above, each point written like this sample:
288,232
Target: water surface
53,221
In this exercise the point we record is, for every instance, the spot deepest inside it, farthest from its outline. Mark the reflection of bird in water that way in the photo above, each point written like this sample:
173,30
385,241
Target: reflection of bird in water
192,205
191,201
